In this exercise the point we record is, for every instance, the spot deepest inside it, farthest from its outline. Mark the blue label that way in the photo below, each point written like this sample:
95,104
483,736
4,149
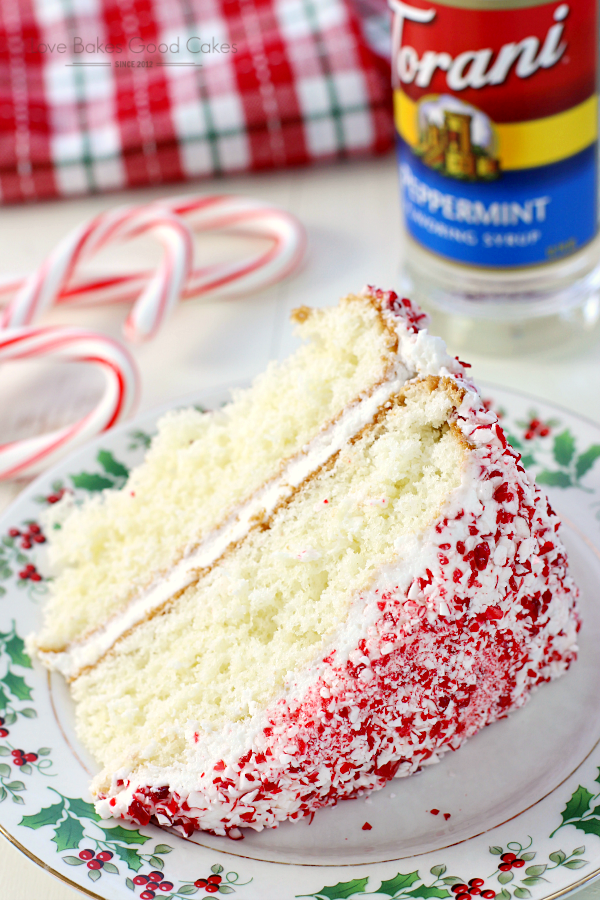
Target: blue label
526,216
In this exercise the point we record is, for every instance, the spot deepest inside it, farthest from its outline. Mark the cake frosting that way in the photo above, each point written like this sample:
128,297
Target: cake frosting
464,618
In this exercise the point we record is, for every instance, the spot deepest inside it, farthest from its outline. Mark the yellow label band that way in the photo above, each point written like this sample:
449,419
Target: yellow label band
521,145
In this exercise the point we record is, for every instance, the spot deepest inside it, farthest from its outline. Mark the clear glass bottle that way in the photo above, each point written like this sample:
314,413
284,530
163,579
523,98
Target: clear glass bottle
497,119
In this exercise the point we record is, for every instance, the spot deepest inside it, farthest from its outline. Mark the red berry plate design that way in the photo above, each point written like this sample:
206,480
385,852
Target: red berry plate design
517,810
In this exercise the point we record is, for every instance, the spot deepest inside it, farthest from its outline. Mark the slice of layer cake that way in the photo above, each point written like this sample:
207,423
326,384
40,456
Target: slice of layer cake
328,583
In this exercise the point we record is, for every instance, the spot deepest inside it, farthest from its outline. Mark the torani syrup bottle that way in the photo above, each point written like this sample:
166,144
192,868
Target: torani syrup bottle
497,119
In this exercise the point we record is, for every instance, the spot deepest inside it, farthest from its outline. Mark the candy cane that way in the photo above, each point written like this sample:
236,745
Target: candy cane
24,458
202,213
158,297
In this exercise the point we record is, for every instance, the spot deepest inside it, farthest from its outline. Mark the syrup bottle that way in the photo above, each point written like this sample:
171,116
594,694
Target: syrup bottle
496,113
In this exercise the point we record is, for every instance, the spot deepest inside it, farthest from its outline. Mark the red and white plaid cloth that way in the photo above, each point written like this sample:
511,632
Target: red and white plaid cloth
264,83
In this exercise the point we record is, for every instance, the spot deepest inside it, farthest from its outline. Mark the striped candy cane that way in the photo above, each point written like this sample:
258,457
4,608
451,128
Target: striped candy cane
160,293
201,213
21,459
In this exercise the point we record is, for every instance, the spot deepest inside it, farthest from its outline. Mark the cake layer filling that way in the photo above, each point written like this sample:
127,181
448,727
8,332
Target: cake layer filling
201,468
228,644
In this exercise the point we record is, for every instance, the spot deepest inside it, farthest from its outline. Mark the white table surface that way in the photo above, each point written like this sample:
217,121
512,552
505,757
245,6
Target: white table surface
351,214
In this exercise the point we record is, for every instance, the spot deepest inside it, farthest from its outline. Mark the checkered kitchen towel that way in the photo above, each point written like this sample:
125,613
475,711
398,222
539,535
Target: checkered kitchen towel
106,94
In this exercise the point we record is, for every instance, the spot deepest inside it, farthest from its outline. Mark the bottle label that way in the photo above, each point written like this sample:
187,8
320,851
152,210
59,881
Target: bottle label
497,118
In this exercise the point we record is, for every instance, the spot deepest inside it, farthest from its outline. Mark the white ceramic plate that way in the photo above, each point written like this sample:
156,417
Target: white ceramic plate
528,786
